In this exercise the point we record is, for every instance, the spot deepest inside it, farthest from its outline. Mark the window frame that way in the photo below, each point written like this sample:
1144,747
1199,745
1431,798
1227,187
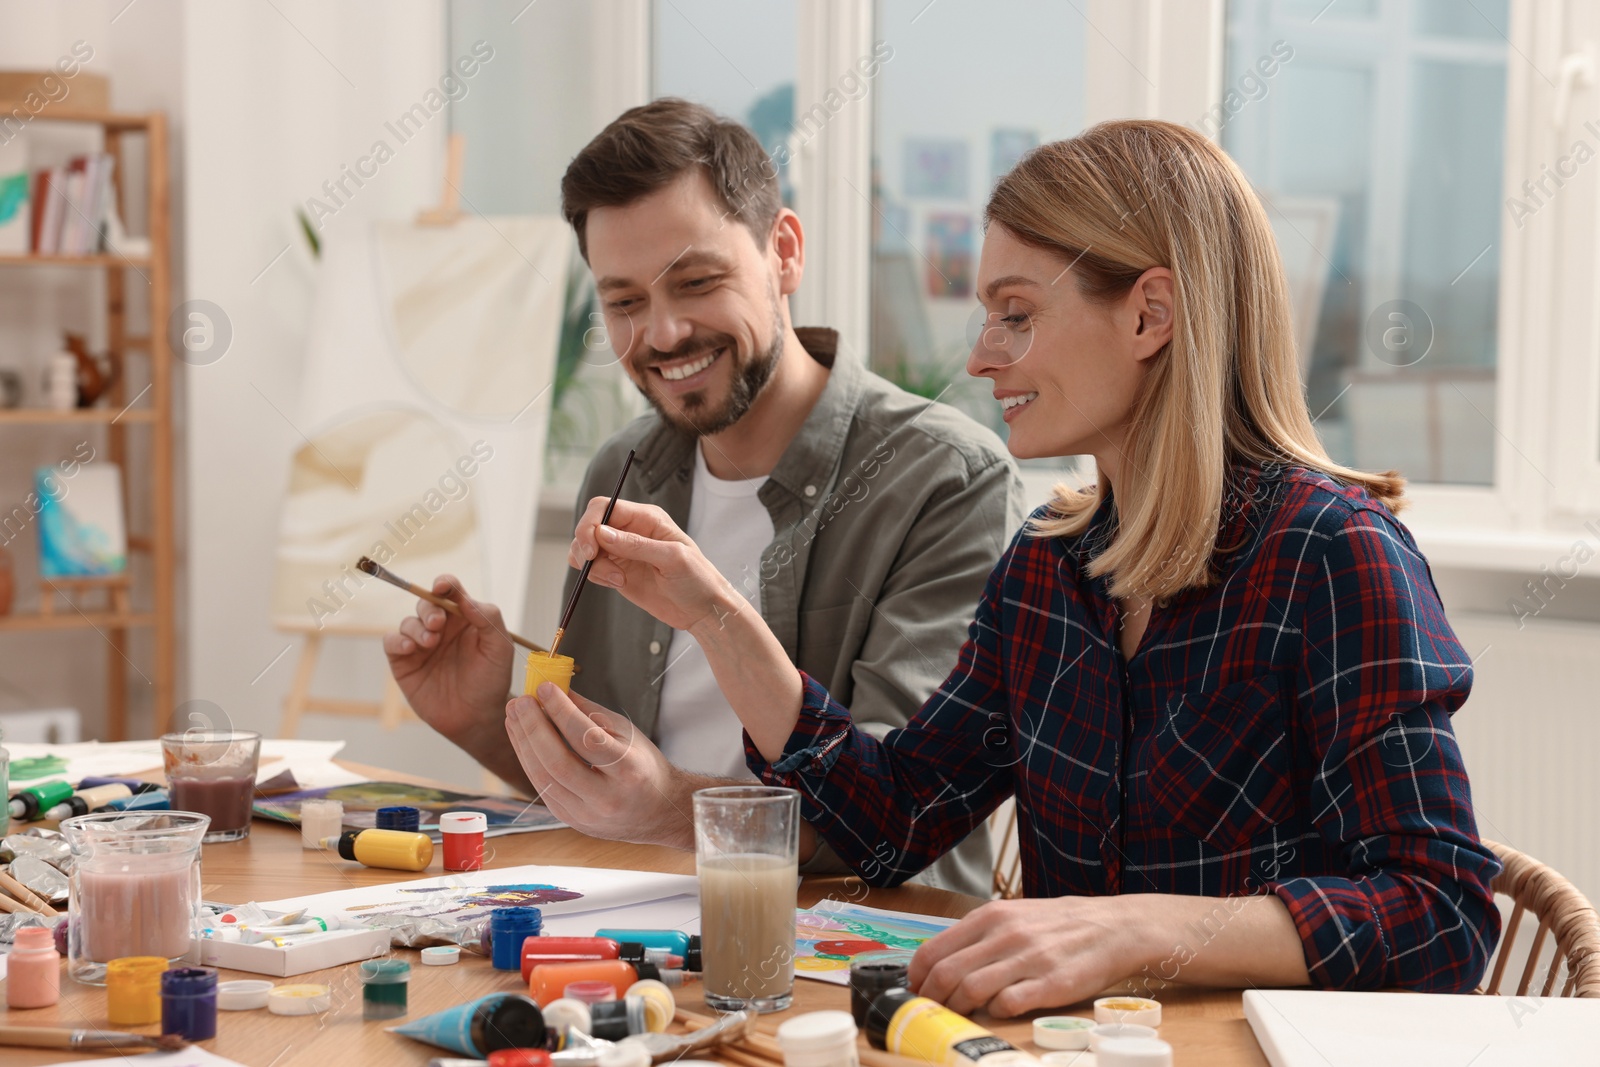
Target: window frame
1143,61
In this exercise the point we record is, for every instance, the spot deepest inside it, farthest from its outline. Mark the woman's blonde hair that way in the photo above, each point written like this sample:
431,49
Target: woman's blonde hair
1115,201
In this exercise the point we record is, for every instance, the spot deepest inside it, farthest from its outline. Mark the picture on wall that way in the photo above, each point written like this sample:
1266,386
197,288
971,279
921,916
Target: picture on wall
948,250
81,528
1006,149
936,169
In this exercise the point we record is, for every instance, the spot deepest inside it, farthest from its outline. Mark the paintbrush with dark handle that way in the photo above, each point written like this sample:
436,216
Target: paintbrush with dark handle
55,1037
367,565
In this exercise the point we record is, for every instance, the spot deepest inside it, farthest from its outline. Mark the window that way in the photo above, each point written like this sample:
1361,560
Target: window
964,95
1375,134
735,57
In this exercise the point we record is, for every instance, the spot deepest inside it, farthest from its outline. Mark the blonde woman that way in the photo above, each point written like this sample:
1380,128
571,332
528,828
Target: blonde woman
1222,672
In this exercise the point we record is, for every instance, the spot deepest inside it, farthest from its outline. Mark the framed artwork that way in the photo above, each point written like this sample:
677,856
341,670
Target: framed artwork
936,169
1006,148
948,251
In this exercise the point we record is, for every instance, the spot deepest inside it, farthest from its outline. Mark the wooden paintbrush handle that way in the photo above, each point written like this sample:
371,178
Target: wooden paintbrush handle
27,896
7,904
35,1037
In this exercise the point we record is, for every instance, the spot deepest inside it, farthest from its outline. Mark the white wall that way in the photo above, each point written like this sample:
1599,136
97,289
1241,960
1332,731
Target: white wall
141,54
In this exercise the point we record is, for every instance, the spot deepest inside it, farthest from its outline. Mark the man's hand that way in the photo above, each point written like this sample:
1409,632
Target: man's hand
598,774
454,670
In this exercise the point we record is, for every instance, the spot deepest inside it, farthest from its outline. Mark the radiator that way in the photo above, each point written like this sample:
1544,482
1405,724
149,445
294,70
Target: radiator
1530,734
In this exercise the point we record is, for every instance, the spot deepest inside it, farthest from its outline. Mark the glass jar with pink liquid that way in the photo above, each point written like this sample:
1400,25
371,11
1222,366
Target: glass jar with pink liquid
213,772
134,889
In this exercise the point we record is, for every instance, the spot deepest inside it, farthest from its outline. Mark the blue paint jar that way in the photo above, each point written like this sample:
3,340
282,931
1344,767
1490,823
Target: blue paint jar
507,928
399,817
189,1003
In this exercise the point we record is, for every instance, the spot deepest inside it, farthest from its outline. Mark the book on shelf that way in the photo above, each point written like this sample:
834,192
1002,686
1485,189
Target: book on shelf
15,195
64,210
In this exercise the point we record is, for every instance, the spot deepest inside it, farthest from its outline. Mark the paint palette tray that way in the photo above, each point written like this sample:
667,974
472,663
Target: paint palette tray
329,950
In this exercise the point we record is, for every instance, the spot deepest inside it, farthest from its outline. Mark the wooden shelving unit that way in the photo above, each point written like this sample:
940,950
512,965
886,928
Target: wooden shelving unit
120,607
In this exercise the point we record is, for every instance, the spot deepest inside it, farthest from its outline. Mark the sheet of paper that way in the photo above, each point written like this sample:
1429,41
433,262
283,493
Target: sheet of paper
1318,1028
557,891
86,758
828,935
193,1056
308,759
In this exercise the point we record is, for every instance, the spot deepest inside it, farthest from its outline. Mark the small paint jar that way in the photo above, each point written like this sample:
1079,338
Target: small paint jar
564,1013
542,667
463,839
819,1039
33,975
133,990
660,1006
383,988
189,1003
508,928
399,817
614,1020
873,972
320,819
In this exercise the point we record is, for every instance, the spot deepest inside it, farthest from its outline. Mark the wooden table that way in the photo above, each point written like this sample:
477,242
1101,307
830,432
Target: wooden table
1204,1026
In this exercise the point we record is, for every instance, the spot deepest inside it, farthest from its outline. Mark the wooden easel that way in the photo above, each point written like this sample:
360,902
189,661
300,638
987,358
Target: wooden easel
390,711
449,209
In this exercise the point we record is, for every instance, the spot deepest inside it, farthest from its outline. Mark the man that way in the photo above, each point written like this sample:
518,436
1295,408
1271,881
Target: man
861,521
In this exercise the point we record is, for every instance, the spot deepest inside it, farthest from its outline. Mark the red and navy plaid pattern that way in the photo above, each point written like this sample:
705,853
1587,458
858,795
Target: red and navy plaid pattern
1286,730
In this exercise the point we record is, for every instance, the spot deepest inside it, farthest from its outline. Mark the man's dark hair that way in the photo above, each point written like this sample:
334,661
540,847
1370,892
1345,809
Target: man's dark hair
649,147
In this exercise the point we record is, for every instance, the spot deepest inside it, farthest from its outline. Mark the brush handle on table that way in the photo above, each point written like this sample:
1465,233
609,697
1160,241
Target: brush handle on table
56,1037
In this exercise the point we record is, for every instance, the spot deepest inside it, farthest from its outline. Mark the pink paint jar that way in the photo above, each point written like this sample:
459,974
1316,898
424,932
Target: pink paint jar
134,889
33,970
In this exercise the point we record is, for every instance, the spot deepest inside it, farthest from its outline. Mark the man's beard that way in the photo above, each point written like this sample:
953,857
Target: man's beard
690,412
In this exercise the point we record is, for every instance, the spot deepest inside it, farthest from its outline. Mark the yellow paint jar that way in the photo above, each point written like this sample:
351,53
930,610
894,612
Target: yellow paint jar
542,667
133,990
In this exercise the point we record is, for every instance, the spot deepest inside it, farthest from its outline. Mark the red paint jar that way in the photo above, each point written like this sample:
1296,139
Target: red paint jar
463,839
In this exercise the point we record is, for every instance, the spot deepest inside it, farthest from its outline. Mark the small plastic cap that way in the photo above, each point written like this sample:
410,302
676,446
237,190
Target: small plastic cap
245,994
882,1011
188,981
385,972
519,1057
441,955
1134,1052
817,1031
1062,1031
463,822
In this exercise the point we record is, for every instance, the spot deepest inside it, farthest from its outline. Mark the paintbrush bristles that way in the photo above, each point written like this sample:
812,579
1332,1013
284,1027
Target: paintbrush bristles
382,573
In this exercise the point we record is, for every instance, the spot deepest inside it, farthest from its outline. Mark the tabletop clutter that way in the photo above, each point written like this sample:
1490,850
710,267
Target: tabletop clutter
112,898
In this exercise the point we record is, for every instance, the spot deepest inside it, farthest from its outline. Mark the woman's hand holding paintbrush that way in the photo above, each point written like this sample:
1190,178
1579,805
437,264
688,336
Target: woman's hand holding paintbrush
642,554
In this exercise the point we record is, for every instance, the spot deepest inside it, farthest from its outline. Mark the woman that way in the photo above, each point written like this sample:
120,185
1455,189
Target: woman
1223,672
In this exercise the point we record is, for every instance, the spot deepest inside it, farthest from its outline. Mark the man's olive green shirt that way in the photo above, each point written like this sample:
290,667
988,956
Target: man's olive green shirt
890,512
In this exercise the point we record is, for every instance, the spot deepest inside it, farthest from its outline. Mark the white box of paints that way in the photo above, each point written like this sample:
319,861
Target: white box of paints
329,950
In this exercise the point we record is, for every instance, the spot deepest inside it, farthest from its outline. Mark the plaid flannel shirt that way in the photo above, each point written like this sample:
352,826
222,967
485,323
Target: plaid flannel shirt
1285,730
